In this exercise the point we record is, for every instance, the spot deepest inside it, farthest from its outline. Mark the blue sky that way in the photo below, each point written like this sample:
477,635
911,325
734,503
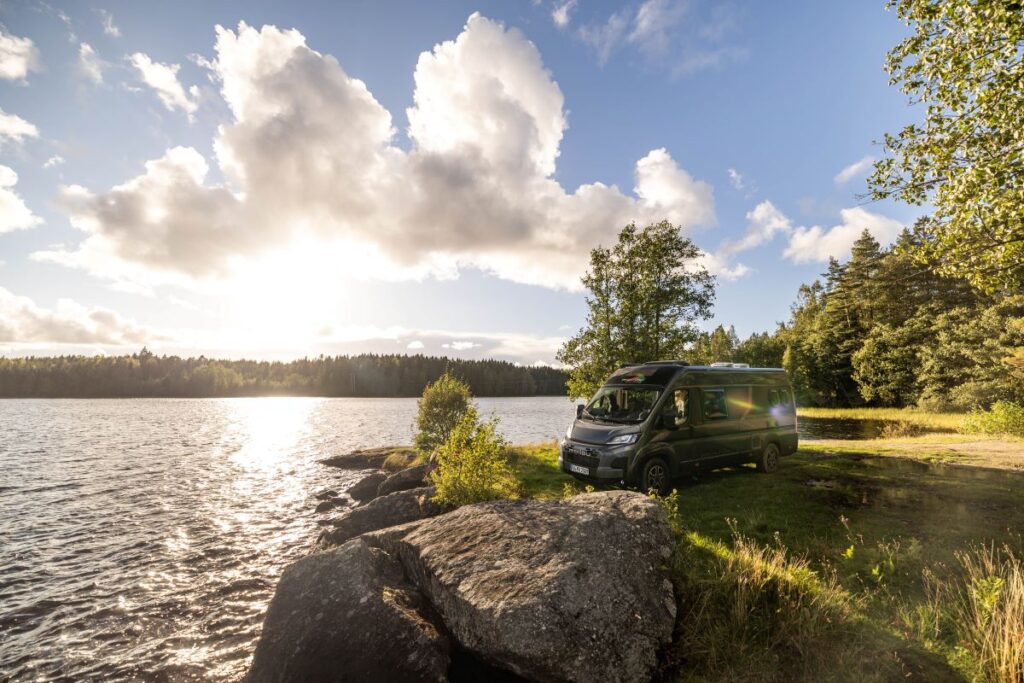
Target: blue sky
409,177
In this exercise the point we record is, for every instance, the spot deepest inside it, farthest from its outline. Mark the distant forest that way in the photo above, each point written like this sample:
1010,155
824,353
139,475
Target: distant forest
144,374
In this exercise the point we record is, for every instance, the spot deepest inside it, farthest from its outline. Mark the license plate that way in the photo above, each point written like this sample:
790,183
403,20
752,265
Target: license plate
579,469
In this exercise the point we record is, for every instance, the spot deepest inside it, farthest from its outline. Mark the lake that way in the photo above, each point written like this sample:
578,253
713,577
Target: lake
142,539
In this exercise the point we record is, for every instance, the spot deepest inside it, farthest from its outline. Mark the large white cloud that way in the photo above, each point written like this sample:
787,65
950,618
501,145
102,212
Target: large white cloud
23,322
18,56
817,244
14,215
309,153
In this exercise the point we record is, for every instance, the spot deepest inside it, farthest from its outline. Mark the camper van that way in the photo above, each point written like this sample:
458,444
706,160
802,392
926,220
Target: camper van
653,422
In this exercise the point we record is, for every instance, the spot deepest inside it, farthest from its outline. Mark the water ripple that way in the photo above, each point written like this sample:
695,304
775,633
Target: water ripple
142,540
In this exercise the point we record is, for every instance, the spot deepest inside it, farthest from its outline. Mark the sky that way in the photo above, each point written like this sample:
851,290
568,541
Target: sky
279,180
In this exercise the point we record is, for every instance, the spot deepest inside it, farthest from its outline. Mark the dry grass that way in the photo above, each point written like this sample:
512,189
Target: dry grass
978,612
921,418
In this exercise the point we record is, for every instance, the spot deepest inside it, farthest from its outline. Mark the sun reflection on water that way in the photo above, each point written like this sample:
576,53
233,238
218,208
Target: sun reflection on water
270,429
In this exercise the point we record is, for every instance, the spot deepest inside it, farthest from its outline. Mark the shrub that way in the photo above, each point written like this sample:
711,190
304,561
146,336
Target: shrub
443,404
472,465
1004,417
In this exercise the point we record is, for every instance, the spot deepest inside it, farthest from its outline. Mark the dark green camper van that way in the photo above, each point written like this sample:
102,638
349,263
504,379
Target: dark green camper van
653,422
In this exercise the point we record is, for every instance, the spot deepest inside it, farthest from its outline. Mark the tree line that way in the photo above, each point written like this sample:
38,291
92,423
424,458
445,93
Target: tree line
145,374
881,330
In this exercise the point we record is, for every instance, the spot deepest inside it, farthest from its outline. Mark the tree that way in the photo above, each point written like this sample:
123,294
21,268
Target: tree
442,406
964,61
644,295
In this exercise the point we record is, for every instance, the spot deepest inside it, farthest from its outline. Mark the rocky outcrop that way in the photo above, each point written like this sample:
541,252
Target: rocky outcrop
366,488
551,590
367,458
570,590
349,615
409,478
380,513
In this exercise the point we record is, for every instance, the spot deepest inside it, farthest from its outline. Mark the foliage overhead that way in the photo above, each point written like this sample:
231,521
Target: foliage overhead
645,293
964,62
439,410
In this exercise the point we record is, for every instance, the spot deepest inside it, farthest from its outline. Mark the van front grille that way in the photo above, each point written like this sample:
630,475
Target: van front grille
580,456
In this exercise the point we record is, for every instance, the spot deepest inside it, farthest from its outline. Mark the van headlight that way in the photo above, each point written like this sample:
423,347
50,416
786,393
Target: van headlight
568,432
623,439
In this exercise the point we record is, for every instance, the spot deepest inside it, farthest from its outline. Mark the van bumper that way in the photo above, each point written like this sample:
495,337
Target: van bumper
595,464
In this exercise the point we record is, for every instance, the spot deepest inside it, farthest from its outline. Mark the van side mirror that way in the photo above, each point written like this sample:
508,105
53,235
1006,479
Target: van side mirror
579,410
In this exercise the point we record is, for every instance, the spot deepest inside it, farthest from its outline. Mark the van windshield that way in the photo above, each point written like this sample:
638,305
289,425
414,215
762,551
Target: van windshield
622,404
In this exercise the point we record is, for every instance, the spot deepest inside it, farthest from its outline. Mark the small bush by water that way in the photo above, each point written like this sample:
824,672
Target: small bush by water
1004,417
443,404
473,464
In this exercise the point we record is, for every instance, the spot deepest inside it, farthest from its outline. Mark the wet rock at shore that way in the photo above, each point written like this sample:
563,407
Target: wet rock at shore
409,478
366,488
387,511
367,458
325,505
349,615
326,494
550,590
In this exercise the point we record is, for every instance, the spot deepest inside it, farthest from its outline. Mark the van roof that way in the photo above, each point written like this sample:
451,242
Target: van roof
709,368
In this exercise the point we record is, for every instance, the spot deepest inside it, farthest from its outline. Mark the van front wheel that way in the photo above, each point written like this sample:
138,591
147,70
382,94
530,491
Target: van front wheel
769,460
655,477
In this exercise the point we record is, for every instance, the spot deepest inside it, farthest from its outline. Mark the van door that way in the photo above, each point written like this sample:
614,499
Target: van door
749,422
713,439
676,428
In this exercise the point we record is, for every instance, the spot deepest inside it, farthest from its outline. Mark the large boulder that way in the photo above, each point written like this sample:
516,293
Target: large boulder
570,590
380,513
366,488
409,478
349,615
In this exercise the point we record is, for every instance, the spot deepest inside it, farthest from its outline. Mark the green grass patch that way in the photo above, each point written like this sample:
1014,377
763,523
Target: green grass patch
842,565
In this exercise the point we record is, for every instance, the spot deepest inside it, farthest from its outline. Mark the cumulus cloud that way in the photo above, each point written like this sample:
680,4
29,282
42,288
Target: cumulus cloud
854,170
818,244
309,153
763,223
23,322
163,78
55,160
414,345
14,215
18,56
89,63
14,128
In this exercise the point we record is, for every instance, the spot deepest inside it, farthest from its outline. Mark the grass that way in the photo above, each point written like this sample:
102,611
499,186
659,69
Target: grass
840,566
928,420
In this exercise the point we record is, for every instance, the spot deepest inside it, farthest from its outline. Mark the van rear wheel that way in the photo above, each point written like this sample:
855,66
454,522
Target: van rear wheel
769,460
655,477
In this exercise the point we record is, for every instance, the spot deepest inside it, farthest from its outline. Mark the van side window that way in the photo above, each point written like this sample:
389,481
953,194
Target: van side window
714,404
740,401
761,404
786,401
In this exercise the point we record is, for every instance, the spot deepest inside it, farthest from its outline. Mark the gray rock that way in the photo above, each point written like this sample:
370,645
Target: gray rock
326,494
366,488
409,478
325,505
568,590
387,511
366,458
349,615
